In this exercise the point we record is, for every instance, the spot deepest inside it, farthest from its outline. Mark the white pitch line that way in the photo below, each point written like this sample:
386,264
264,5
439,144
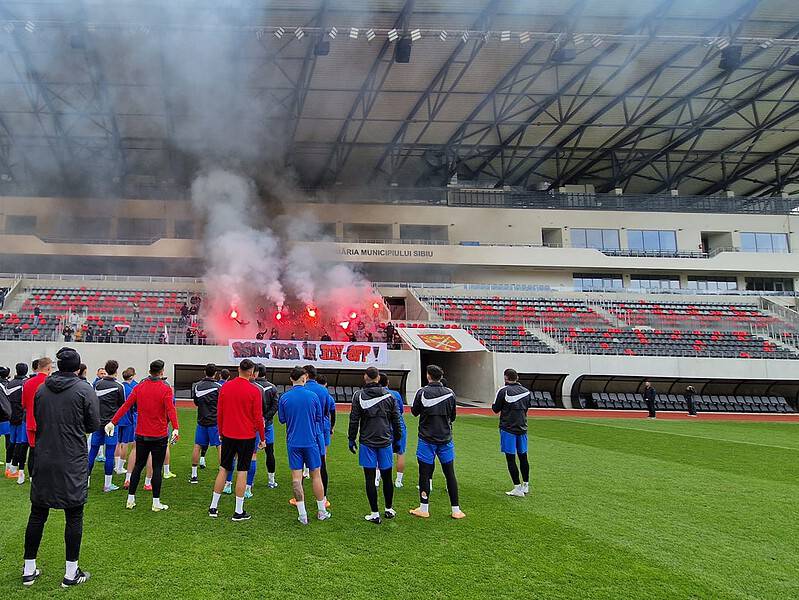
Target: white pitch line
701,437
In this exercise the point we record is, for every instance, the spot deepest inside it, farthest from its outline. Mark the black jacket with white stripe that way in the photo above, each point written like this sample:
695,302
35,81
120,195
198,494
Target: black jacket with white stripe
14,396
374,412
434,404
269,395
205,394
111,394
512,403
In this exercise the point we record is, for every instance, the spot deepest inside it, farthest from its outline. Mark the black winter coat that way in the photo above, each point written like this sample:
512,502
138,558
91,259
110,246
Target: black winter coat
66,409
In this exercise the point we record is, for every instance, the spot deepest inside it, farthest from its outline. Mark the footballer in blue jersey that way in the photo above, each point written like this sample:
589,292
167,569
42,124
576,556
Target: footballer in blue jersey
403,443
299,409
328,407
126,430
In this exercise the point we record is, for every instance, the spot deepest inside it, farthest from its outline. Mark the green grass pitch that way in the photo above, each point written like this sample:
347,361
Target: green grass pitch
620,509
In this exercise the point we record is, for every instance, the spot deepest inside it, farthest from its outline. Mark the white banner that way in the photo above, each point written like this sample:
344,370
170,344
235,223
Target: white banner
324,354
441,340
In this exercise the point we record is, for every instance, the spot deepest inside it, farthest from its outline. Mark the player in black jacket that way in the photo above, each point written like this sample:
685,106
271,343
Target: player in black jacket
650,395
434,404
269,393
205,394
111,394
512,403
19,435
5,415
374,412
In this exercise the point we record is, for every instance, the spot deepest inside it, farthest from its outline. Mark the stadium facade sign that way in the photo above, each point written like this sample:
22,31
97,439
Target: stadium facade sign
441,340
325,354
385,252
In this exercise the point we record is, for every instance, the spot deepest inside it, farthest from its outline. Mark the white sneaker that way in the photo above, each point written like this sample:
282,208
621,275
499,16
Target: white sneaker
130,504
21,478
397,484
303,519
526,488
120,471
517,491
160,507
323,515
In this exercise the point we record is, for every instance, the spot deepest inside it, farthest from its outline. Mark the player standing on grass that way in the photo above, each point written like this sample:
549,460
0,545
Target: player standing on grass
43,367
127,435
374,412
5,414
299,409
240,417
19,437
269,393
156,410
434,404
400,446
512,403
328,406
111,394
205,394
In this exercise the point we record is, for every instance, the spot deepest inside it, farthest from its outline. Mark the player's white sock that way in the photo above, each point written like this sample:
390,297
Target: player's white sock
202,461
215,500
156,502
107,481
320,504
30,567
21,477
71,570
193,471
271,477
131,498
375,515
424,507
166,469
301,508
456,509
239,504
248,488
101,452
399,477
127,477
148,480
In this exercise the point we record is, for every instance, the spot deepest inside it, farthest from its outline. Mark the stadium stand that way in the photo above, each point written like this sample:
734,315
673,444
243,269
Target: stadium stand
676,402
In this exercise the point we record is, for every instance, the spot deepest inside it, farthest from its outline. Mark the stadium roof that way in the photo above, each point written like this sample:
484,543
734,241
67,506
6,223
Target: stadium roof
122,96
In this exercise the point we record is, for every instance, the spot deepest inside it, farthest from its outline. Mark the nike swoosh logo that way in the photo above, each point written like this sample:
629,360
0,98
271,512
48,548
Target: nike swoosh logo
511,399
366,404
106,391
428,402
10,391
201,393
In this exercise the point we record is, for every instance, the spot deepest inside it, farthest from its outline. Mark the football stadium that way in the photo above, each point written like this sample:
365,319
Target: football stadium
399,298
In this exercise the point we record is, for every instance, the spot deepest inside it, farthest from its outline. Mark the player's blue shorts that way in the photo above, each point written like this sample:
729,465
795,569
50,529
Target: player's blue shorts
18,434
511,443
300,457
99,438
327,433
427,452
403,442
270,433
370,457
126,434
5,428
206,435
320,441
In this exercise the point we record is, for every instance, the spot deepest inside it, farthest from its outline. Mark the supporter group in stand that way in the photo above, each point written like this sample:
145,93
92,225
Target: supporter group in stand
57,425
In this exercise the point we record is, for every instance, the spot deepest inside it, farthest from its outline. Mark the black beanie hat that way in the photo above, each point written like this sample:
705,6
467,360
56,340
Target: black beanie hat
68,360
4,372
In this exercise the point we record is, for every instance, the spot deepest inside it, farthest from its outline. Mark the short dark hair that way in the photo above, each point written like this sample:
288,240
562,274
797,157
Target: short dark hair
35,364
321,380
383,379
511,375
111,367
82,369
246,365
128,373
224,374
156,367
210,370
435,372
5,372
373,373
310,370
21,369
261,369
297,373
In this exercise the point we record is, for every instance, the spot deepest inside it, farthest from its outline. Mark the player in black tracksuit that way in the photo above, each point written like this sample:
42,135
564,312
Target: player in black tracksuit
650,395
205,394
434,404
270,402
374,413
5,415
111,394
19,436
512,403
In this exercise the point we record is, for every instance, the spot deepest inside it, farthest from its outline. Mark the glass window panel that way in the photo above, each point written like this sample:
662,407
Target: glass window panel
779,243
651,240
668,241
610,239
635,239
593,238
748,242
763,242
578,238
